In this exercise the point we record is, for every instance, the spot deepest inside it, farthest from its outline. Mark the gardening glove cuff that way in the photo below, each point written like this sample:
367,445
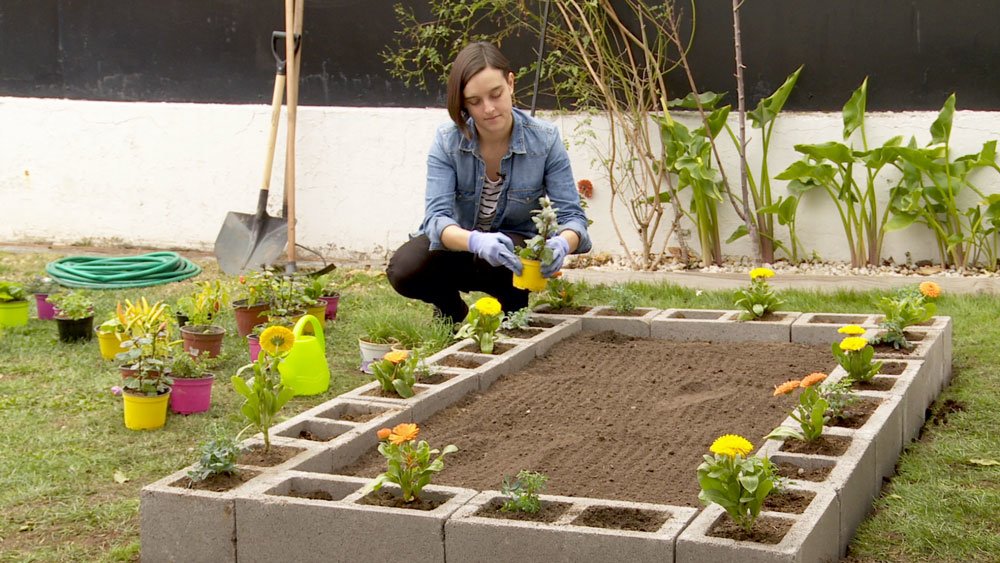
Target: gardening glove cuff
560,248
496,249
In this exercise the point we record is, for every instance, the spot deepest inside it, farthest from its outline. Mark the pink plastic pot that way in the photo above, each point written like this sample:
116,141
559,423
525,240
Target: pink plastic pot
191,395
331,306
253,343
46,312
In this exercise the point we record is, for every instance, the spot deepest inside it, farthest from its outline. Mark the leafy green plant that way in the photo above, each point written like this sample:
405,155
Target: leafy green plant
560,294
320,286
409,462
520,318
255,288
201,307
758,299
811,412
855,355
396,372
10,291
482,323
522,492
73,305
838,395
42,284
263,393
734,481
186,366
623,299
907,307
217,457
546,223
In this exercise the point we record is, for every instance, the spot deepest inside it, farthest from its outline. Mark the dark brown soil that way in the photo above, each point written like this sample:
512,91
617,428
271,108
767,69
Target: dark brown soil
609,312
383,497
218,483
883,348
857,414
307,435
814,474
524,333
794,502
539,323
379,392
835,320
610,416
765,530
498,348
432,378
275,456
550,512
315,495
454,361
360,417
876,384
622,518
824,445
892,368
567,311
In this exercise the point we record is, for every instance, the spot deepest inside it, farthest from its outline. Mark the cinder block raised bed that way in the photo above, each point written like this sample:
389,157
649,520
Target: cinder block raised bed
821,328
606,318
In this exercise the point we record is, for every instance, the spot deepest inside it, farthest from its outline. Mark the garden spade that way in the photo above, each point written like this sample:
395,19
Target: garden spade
255,240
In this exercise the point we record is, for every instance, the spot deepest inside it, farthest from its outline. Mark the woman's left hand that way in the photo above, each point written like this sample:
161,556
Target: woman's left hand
560,248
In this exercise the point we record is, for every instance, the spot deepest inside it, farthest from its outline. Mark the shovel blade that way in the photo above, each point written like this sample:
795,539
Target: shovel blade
247,241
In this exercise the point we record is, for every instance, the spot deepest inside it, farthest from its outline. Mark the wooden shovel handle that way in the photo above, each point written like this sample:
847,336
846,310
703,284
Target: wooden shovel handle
276,99
293,21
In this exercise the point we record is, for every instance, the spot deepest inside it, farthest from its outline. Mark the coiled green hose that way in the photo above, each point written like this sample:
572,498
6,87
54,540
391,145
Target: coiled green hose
144,270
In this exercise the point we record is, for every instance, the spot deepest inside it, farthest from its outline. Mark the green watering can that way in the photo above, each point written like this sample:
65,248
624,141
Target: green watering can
304,369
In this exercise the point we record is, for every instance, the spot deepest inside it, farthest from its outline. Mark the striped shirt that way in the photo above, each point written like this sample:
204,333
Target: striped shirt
488,203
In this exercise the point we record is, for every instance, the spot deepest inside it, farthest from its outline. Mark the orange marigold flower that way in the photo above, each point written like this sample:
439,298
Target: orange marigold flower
403,432
930,289
384,433
786,387
586,188
396,356
812,379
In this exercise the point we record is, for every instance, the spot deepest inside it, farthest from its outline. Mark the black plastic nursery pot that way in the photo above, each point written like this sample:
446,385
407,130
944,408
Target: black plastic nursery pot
73,330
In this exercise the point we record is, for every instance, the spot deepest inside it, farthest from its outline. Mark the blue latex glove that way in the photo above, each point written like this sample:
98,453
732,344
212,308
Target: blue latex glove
496,248
560,248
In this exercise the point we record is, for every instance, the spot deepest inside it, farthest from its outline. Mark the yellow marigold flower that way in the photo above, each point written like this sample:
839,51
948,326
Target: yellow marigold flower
812,379
853,344
383,433
403,432
786,387
761,273
930,289
851,330
488,306
396,356
276,340
730,445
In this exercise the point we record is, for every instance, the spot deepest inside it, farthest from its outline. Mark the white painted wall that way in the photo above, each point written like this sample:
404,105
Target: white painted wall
167,174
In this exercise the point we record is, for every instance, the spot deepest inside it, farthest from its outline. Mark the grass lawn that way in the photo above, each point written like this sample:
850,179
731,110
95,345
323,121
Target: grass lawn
70,472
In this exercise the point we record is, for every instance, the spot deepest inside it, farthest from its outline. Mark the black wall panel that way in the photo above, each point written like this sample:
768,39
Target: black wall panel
915,51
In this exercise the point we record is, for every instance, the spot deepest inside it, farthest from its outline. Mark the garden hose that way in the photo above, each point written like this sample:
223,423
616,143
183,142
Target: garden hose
144,270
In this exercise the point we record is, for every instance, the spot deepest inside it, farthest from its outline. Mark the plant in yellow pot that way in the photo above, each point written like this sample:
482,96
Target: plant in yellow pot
535,253
147,389
13,304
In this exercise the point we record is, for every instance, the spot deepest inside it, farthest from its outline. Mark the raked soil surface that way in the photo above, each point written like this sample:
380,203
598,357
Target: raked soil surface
614,417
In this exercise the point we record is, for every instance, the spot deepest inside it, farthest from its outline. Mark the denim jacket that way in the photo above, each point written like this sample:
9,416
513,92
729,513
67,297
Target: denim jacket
535,165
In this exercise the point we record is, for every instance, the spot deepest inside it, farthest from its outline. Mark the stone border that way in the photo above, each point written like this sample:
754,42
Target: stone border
258,520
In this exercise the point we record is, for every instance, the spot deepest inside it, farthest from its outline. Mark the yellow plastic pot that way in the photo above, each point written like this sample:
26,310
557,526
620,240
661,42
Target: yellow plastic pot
531,276
304,369
13,313
318,311
109,344
145,413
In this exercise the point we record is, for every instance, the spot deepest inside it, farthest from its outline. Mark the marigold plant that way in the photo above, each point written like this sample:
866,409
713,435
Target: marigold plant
734,481
409,462
855,355
396,372
758,299
811,411
482,323
907,307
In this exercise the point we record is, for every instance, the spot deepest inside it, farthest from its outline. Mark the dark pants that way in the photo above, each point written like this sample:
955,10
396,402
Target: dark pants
439,276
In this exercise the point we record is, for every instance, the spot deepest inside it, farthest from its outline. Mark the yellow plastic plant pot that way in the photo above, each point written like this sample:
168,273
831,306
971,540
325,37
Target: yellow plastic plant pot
531,276
305,369
14,313
145,413
318,311
109,344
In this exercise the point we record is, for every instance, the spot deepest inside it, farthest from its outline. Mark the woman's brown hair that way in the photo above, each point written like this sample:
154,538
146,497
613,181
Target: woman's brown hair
470,60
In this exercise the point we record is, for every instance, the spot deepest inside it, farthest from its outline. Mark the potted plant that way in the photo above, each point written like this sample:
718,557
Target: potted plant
202,333
145,336
322,290
147,392
252,302
288,299
405,328
74,315
41,287
13,304
192,382
110,334
534,254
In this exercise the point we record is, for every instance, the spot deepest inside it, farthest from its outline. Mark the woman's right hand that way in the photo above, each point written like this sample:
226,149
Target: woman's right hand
496,248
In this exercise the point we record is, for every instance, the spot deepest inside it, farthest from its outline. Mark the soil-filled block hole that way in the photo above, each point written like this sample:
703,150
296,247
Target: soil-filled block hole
355,412
316,430
621,518
463,360
550,511
312,488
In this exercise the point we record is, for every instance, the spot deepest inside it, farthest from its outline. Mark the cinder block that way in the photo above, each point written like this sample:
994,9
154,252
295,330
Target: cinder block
563,329
852,478
181,524
813,537
545,311
471,538
821,328
777,330
885,429
606,318
913,387
428,399
693,325
273,526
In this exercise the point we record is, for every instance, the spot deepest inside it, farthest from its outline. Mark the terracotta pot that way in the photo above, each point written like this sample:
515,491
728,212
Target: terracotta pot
203,338
248,317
